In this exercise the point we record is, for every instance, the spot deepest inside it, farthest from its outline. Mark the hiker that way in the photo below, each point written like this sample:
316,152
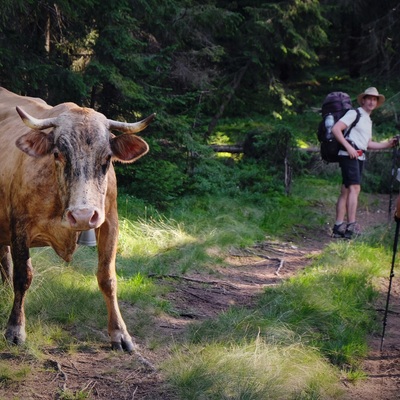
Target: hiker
351,159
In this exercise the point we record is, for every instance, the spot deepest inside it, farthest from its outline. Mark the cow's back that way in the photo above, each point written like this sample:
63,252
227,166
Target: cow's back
33,105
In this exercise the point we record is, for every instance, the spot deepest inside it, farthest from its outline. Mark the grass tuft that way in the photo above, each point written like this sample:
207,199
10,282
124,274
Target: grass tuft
256,370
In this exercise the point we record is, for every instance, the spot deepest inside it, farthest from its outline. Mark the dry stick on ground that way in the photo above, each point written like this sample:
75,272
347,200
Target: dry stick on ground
57,367
279,268
257,254
88,388
275,246
185,278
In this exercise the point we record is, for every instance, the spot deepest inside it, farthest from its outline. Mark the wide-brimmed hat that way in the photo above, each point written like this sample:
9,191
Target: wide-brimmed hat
371,91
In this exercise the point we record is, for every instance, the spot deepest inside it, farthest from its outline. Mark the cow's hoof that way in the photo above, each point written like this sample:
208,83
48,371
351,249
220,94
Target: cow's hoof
126,345
15,335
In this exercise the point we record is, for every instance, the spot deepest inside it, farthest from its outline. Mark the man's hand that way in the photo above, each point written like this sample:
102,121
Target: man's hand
394,141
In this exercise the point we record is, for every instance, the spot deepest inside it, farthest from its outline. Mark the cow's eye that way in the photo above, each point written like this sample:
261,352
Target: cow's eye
58,157
106,165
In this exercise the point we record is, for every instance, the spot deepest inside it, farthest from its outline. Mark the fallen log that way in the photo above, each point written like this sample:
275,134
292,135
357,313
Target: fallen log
238,148
227,148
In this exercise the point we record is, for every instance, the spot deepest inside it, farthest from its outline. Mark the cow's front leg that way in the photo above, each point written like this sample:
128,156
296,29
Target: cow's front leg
23,273
5,264
107,237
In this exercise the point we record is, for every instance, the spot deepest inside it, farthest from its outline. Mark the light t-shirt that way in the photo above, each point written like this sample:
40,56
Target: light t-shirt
361,134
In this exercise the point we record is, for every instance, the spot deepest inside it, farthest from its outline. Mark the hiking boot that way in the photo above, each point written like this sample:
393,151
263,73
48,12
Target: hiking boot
352,231
339,230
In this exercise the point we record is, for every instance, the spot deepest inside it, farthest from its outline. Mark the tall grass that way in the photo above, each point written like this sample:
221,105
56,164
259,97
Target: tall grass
255,370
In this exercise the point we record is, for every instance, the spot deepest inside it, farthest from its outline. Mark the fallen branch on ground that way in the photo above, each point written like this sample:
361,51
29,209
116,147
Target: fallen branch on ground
185,278
279,268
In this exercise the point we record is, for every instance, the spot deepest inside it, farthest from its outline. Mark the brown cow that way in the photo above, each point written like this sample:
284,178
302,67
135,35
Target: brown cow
56,180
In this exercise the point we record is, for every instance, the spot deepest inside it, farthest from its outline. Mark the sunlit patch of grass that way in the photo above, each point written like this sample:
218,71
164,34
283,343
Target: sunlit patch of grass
367,254
159,246
150,237
257,370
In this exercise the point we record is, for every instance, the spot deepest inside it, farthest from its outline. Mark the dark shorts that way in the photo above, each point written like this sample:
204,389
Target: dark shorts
351,170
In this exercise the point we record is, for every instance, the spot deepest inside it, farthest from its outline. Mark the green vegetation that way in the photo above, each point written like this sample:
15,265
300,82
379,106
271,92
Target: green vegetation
9,376
255,370
301,337
70,395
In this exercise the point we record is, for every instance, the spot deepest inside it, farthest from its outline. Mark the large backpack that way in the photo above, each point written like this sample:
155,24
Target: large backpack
335,105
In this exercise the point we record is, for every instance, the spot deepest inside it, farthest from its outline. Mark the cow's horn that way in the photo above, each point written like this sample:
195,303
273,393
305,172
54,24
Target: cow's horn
35,123
131,127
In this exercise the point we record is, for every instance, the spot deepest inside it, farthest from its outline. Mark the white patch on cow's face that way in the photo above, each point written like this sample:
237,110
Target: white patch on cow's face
82,157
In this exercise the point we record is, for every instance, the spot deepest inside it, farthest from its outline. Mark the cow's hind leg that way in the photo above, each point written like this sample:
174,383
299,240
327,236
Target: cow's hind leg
23,273
107,237
5,264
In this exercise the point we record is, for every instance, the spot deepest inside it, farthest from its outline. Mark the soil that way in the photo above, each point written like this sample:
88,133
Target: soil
112,375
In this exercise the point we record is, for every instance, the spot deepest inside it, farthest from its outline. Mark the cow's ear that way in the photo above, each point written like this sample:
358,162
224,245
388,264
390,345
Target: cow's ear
36,143
128,148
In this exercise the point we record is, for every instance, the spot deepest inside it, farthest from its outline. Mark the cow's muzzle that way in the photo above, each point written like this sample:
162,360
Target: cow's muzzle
83,219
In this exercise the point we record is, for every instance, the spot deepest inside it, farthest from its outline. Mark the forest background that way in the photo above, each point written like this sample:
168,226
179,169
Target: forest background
245,73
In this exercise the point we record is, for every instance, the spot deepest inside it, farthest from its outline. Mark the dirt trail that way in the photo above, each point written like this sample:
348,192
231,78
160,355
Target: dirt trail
108,375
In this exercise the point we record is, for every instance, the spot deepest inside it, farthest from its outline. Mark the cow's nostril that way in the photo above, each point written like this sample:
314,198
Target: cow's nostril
71,219
95,217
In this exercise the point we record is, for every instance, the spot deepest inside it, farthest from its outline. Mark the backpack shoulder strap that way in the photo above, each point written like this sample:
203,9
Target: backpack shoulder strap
354,123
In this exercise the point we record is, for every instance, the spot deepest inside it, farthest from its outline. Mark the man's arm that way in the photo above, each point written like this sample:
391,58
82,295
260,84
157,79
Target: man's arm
337,131
382,145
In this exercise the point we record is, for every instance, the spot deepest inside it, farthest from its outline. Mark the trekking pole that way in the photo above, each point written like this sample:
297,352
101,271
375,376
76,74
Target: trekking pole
394,172
396,240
